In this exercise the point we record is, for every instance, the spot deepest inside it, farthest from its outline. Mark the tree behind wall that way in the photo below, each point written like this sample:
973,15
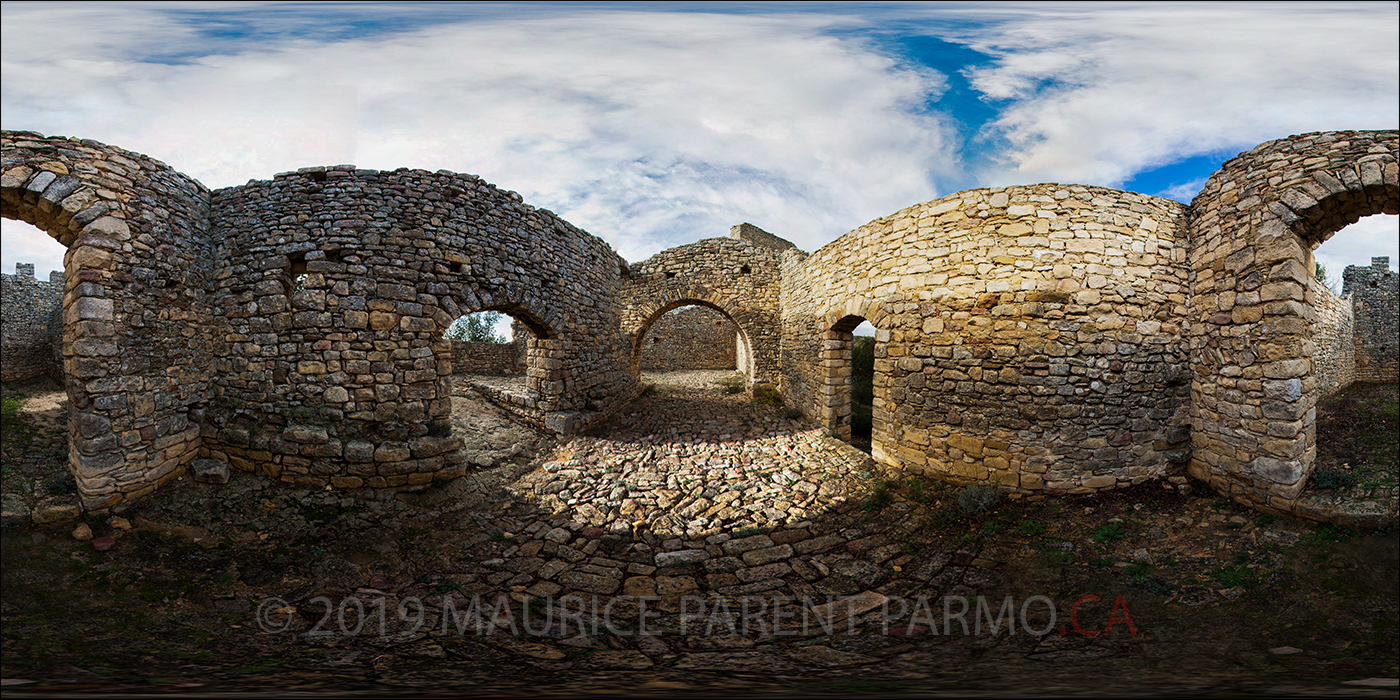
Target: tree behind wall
478,327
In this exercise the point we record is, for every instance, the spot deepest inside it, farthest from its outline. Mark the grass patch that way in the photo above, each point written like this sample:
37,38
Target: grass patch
975,500
1109,533
879,498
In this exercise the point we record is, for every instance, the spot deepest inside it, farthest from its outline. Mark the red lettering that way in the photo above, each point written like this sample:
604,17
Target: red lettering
1074,612
1113,618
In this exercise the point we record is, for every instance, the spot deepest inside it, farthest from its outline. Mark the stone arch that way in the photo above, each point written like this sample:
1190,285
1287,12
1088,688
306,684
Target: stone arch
135,329
710,273
744,319
1254,228
543,378
834,408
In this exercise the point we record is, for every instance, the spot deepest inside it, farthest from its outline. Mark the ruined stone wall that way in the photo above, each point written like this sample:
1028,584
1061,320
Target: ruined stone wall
136,317
341,376
1253,354
1026,336
735,277
1335,361
689,338
495,359
1375,296
27,310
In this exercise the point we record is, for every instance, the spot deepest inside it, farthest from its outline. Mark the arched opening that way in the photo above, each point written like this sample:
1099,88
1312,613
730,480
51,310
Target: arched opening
497,351
853,389
694,335
1354,328
497,356
35,441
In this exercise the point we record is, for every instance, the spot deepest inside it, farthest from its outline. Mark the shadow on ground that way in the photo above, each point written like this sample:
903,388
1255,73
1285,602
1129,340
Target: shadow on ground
698,543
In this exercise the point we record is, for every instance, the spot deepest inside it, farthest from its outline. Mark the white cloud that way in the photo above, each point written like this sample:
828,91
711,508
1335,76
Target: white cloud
648,129
1094,93
22,243
1372,236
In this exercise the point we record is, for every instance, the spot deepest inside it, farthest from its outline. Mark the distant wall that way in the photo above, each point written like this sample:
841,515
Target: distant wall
495,359
693,338
27,325
1375,298
1334,364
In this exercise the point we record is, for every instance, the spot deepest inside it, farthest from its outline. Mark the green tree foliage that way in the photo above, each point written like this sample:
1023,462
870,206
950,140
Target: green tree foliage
863,370
478,327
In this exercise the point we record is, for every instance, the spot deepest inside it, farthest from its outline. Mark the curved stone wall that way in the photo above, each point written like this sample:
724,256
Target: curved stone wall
1054,338
735,277
1254,225
1026,336
136,332
338,285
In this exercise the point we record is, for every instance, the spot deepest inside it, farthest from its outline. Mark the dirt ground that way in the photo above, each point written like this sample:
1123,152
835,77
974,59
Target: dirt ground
1155,590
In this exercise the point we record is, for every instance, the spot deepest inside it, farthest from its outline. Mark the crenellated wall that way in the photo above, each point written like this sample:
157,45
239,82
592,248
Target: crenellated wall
1375,297
30,312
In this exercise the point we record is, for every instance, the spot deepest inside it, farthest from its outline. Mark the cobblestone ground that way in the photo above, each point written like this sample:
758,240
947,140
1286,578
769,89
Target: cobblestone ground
696,543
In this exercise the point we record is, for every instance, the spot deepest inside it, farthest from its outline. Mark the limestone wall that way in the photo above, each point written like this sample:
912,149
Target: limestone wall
1026,336
690,338
1056,338
1253,354
338,284
735,277
495,359
136,329
1334,365
28,308
1375,295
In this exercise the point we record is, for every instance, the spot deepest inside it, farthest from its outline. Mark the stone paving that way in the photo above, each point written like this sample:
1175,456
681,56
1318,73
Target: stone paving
677,550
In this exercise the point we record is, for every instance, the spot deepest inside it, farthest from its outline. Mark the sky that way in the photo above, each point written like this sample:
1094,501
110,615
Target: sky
655,125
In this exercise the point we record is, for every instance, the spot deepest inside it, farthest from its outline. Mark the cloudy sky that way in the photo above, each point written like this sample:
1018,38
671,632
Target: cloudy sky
657,125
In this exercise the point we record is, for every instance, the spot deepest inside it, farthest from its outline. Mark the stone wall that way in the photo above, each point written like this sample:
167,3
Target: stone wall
29,311
1254,384
740,280
1334,365
1055,338
136,314
1026,336
1375,296
336,288
690,338
494,359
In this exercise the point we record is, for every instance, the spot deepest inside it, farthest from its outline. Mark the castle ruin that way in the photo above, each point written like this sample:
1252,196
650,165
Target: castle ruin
1040,338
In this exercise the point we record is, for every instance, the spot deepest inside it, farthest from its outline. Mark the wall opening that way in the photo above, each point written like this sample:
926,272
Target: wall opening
1354,332
689,338
693,334
35,386
849,360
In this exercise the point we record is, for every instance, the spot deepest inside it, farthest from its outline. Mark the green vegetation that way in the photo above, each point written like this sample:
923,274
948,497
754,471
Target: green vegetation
478,328
1109,533
863,370
879,498
767,395
975,500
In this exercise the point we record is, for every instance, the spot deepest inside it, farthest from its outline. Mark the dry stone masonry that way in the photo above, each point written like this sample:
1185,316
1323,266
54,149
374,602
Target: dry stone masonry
1041,338
1375,294
690,338
31,325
